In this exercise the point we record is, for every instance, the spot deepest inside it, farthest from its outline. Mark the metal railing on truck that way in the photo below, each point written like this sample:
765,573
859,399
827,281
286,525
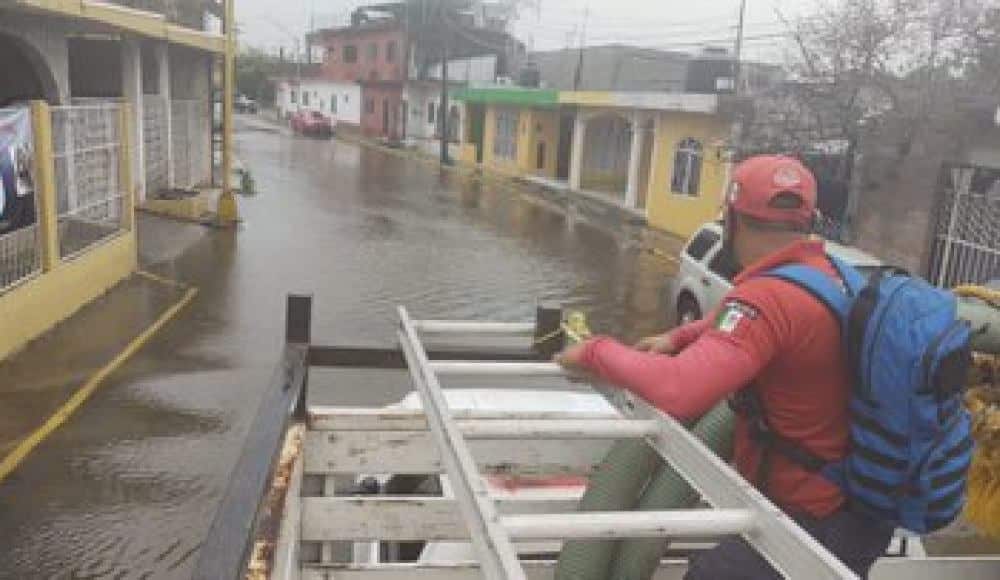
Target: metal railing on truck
439,440
230,540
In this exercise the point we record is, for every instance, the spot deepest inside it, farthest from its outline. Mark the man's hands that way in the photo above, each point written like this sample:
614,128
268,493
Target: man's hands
571,359
659,344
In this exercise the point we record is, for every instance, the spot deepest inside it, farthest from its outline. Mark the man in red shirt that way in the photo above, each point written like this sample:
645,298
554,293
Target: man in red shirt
774,340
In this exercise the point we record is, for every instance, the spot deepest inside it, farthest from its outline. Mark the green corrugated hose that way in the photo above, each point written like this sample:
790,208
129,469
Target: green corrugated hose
638,558
616,485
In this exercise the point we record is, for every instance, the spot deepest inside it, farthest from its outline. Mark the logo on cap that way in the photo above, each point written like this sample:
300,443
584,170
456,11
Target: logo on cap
787,176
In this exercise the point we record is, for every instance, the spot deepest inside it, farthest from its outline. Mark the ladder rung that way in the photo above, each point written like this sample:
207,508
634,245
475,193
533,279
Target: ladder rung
464,327
558,428
497,369
677,523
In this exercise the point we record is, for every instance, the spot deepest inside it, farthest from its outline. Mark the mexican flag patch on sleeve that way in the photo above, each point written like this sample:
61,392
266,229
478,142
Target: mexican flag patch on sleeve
732,314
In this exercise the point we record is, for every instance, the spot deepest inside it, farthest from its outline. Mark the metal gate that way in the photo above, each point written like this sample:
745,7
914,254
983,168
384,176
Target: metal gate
965,236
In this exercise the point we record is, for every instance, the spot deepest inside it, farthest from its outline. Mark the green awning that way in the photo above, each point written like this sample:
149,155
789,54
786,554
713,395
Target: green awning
509,96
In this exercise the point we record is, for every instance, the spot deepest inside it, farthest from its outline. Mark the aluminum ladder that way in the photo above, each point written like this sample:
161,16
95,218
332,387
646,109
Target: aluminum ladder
737,507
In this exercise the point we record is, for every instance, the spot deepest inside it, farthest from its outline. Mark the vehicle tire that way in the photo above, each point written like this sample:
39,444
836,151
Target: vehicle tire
688,309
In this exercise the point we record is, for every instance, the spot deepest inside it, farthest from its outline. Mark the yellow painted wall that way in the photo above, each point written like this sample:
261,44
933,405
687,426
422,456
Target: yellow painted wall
682,214
38,304
489,134
534,126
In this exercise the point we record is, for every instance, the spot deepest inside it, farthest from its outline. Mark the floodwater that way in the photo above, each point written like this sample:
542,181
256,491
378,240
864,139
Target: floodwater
127,488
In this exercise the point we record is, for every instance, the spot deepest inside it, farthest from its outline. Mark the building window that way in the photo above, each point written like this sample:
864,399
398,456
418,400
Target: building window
333,103
702,243
350,54
305,98
369,105
372,52
505,142
687,168
431,108
390,51
295,97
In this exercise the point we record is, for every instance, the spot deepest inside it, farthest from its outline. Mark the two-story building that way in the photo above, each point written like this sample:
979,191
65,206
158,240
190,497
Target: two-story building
382,73
372,55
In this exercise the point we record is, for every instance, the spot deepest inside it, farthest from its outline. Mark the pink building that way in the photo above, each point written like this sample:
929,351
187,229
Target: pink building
374,55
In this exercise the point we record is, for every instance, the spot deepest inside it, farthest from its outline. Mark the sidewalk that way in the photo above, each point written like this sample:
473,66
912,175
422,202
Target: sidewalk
42,378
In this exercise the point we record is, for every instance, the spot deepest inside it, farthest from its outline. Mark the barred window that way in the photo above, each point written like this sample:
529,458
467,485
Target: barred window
505,141
686,179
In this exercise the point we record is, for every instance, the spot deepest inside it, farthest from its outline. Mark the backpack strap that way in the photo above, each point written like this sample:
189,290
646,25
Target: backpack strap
838,299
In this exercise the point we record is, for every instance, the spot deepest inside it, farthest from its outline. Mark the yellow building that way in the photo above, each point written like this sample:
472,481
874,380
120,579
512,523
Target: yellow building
513,131
120,106
659,155
688,179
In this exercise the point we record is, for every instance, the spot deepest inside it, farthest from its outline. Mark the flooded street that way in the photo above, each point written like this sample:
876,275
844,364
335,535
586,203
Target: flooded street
128,487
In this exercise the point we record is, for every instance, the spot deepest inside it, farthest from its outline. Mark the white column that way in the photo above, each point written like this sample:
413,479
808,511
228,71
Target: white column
576,154
163,65
634,162
132,93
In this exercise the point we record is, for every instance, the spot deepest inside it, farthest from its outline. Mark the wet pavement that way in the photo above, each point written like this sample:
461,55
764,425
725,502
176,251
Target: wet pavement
127,488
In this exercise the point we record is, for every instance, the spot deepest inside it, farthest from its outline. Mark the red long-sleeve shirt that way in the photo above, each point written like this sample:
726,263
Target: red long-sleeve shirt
770,333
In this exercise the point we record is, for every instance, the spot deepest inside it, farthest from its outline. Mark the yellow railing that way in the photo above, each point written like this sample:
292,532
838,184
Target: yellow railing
65,281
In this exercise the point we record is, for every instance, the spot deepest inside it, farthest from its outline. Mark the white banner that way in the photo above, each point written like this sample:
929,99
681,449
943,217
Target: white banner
17,183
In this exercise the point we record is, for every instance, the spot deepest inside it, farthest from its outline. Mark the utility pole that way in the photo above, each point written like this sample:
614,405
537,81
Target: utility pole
578,77
226,210
736,125
443,112
738,57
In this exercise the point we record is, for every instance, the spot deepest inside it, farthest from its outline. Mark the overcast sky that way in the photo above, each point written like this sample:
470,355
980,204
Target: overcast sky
671,24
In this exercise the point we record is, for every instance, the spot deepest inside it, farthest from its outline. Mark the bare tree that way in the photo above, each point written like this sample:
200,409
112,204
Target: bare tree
883,78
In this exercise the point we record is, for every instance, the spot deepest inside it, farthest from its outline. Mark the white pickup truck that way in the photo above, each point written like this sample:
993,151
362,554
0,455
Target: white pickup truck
701,280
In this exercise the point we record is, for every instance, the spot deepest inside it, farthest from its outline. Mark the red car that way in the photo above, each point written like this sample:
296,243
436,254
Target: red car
312,123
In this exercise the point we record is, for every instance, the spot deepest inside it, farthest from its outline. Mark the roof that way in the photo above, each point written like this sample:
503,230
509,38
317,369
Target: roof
364,27
614,67
141,22
646,100
508,96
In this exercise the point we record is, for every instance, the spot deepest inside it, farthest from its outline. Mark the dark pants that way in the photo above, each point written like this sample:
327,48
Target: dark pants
856,540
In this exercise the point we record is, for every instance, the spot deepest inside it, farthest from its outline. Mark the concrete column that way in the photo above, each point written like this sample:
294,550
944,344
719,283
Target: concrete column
132,93
634,162
163,66
45,185
576,154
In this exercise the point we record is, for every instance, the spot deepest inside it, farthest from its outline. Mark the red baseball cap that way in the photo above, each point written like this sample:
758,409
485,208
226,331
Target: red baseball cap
758,182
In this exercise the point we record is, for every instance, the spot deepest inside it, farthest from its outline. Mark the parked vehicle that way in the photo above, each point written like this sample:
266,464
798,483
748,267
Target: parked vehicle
312,123
701,281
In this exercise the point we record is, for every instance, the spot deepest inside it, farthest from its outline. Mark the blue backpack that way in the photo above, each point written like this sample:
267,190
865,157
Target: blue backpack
909,355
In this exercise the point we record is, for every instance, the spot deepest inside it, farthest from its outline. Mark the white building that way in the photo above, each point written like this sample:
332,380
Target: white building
339,101
423,99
